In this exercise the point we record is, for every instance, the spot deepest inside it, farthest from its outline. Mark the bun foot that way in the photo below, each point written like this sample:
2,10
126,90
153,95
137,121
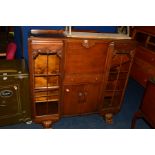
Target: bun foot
47,124
109,118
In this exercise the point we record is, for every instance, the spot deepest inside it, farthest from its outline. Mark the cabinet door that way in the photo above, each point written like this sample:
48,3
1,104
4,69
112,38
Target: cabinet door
81,99
73,99
117,80
92,95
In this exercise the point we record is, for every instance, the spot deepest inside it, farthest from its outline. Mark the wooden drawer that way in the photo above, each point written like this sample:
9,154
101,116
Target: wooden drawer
45,44
145,54
141,71
83,78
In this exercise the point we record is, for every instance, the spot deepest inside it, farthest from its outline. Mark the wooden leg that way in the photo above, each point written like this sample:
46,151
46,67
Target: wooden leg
47,124
109,118
136,116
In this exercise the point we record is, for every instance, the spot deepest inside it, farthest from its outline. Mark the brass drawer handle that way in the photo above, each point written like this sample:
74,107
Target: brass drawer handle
87,43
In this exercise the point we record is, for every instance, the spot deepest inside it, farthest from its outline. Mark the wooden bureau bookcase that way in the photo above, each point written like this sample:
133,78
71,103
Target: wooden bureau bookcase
75,76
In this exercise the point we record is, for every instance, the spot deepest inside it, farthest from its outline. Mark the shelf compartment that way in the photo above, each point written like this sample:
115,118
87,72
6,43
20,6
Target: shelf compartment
107,102
116,85
47,96
42,89
47,75
112,99
120,75
46,64
108,93
117,98
46,81
47,108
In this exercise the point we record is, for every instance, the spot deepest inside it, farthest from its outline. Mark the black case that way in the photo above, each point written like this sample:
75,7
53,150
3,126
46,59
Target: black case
14,92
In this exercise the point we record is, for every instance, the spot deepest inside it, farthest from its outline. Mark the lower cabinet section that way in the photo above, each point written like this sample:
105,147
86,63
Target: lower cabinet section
81,99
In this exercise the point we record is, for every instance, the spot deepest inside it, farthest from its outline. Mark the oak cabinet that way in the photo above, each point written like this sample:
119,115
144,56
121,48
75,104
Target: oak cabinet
75,76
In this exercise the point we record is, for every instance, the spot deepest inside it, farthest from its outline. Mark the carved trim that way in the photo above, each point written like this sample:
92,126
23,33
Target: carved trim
46,51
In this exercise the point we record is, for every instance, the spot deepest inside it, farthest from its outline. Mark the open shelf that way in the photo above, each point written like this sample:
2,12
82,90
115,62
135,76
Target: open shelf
46,75
47,108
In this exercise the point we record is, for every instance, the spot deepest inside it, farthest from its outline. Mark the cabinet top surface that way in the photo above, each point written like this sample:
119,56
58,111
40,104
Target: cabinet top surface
97,35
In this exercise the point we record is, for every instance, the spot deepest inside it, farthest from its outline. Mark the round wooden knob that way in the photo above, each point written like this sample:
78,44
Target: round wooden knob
67,90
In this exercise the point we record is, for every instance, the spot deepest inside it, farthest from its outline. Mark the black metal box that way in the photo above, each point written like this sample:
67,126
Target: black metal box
14,92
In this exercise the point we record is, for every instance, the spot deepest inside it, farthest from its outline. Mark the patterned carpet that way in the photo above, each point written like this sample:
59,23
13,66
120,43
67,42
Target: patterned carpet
122,120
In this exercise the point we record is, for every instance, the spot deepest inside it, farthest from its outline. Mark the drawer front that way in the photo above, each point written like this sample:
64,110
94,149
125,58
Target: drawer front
85,56
77,78
146,55
141,73
46,45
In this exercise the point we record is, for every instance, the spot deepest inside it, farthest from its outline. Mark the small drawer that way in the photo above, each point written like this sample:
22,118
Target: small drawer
47,45
146,55
140,75
77,78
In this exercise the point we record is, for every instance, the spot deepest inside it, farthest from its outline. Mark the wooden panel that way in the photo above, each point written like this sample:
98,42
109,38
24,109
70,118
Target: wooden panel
81,99
85,56
46,44
146,55
73,99
82,78
139,75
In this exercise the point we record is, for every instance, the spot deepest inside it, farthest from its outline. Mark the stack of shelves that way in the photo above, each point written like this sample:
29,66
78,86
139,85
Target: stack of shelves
46,83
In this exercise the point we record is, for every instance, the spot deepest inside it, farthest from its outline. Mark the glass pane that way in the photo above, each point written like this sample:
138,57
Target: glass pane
107,102
40,64
120,84
117,98
53,64
53,81
53,95
40,82
111,85
41,96
125,67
